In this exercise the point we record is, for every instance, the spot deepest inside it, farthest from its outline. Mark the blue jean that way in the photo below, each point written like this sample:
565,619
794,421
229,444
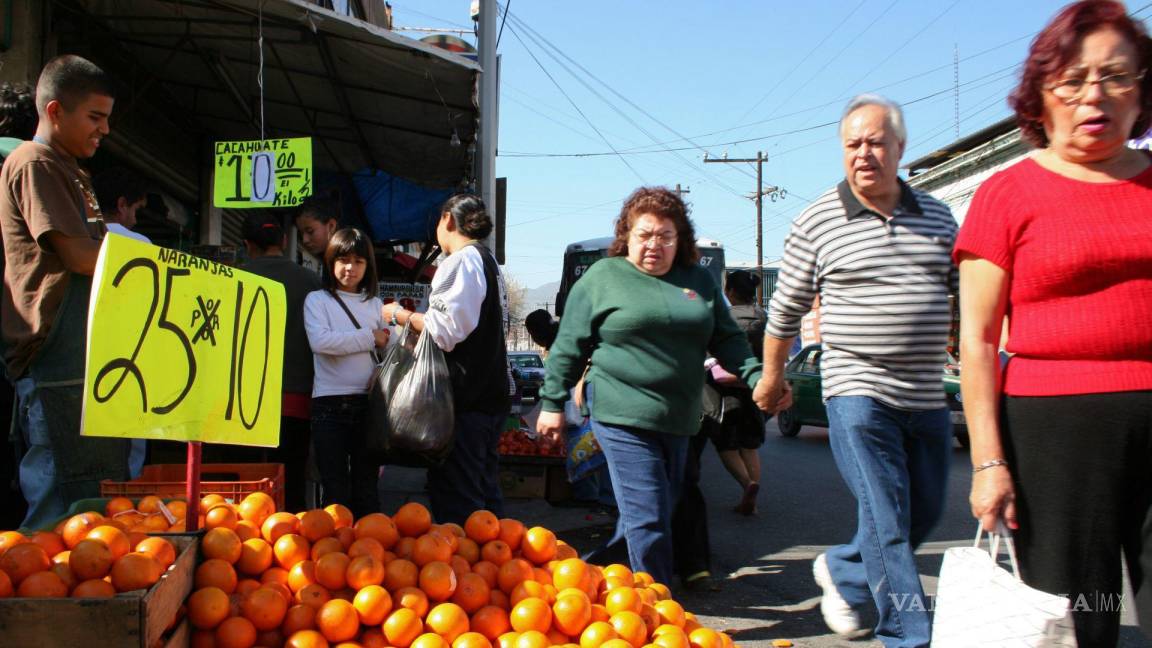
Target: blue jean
647,470
469,478
348,471
895,462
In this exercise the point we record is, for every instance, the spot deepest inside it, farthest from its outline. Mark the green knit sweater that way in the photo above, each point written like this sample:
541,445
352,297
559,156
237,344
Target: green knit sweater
647,338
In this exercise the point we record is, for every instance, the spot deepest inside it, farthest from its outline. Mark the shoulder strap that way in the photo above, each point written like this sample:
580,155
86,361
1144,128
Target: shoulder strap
347,311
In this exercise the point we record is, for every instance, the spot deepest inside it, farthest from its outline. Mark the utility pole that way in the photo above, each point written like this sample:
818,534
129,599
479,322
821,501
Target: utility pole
680,192
759,197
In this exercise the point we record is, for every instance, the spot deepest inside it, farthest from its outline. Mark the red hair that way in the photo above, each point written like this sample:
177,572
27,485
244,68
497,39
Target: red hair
1055,48
664,203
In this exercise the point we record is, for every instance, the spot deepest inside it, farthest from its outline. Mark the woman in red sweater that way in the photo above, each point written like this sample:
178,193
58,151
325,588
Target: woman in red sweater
1061,244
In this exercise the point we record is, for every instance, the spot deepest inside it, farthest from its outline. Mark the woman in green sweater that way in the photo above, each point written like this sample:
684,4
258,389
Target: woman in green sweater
645,318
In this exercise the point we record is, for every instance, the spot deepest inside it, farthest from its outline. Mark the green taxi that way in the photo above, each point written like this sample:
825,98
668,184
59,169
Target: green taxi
803,373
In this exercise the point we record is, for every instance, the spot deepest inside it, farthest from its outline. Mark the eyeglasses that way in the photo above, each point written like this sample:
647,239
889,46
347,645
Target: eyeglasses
661,240
1072,89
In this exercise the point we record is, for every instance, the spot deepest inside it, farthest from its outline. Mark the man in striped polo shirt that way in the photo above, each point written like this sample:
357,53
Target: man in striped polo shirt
877,252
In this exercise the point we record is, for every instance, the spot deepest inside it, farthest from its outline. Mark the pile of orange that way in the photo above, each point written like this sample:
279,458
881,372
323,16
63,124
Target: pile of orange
320,578
86,556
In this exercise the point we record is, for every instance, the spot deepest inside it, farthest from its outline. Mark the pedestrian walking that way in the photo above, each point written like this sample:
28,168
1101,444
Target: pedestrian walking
1061,442
877,252
645,317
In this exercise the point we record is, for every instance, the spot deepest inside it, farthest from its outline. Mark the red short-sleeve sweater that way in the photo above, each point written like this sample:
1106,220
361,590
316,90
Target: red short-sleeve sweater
1079,259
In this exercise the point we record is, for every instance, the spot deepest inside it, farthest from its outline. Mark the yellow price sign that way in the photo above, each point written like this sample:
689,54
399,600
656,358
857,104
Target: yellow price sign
182,348
262,173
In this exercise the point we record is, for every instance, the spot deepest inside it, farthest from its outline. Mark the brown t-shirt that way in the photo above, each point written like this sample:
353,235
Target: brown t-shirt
40,192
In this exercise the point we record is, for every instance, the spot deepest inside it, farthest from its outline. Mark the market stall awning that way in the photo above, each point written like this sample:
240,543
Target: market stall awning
369,97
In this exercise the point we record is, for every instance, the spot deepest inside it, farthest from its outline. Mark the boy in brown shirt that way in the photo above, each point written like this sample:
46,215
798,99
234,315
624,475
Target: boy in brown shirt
46,202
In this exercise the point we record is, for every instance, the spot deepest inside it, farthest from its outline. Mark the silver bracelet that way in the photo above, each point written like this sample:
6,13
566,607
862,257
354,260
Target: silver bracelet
394,322
989,464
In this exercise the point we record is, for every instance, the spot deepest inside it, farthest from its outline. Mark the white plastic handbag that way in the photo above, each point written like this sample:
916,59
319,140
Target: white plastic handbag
979,603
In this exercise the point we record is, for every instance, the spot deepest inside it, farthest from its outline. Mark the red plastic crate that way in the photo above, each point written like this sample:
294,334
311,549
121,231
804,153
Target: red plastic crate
231,481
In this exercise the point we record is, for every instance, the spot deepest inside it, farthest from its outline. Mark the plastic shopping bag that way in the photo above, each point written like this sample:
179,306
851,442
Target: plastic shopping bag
584,454
979,603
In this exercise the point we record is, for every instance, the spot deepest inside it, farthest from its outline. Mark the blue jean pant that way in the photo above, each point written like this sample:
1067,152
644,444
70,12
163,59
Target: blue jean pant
895,462
647,470
469,478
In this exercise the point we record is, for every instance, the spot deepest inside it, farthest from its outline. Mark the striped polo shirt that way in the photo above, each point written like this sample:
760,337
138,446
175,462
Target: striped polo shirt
883,286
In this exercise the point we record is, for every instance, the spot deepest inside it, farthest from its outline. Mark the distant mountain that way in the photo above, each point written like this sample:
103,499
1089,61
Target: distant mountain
536,297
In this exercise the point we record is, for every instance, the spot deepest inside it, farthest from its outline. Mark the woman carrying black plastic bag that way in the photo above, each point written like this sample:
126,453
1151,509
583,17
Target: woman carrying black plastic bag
467,318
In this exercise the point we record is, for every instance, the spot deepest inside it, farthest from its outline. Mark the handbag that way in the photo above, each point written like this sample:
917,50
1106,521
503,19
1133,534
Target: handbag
415,385
979,603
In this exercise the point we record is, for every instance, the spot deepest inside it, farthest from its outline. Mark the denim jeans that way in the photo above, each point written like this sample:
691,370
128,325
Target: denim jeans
469,478
647,470
895,462
348,471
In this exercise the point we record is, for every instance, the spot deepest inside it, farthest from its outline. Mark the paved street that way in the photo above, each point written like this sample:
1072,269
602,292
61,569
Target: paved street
804,507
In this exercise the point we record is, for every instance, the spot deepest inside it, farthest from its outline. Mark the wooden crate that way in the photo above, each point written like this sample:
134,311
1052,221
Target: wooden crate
130,620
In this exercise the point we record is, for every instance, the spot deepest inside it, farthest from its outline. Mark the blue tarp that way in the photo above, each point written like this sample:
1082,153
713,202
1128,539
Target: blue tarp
396,209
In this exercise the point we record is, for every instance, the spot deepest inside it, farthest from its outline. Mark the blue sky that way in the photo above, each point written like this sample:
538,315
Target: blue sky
715,72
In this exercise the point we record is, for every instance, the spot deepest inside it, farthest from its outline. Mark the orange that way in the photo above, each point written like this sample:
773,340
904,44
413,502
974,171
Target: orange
50,541
341,515
316,524
88,559
630,627
302,573
460,566
623,599
705,638
616,643
438,581
471,640
670,612
279,524
528,589
571,614
149,504
507,640
402,627
24,559
178,508
373,638
6,589
651,617
364,571
412,598
290,549
313,595
306,639
482,526
412,519
255,557
118,505
538,545
373,603
379,527
366,547
221,516
77,528
531,614
215,572
158,548
431,547
447,620
499,599
65,574
532,639
491,622
429,640
511,532
671,639
134,571
496,552
346,536
221,543
471,593
661,590
265,608
332,569
330,544
59,559
618,571
246,586
337,620
451,533
486,570
512,573
572,572
247,530
256,507
403,547
400,573
207,607
281,589
643,579
236,632
43,584
564,551
94,588
469,550
597,634
298,617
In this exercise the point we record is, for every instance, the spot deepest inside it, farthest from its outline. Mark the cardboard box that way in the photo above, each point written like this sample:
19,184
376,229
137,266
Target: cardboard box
129,620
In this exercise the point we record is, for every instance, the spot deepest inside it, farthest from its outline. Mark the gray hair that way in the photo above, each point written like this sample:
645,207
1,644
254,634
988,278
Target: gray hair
895,113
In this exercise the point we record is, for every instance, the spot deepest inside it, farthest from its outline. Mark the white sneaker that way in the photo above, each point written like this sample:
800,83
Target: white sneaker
838,615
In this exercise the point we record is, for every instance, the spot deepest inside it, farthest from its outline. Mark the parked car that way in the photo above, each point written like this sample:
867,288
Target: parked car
803,373
531,369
